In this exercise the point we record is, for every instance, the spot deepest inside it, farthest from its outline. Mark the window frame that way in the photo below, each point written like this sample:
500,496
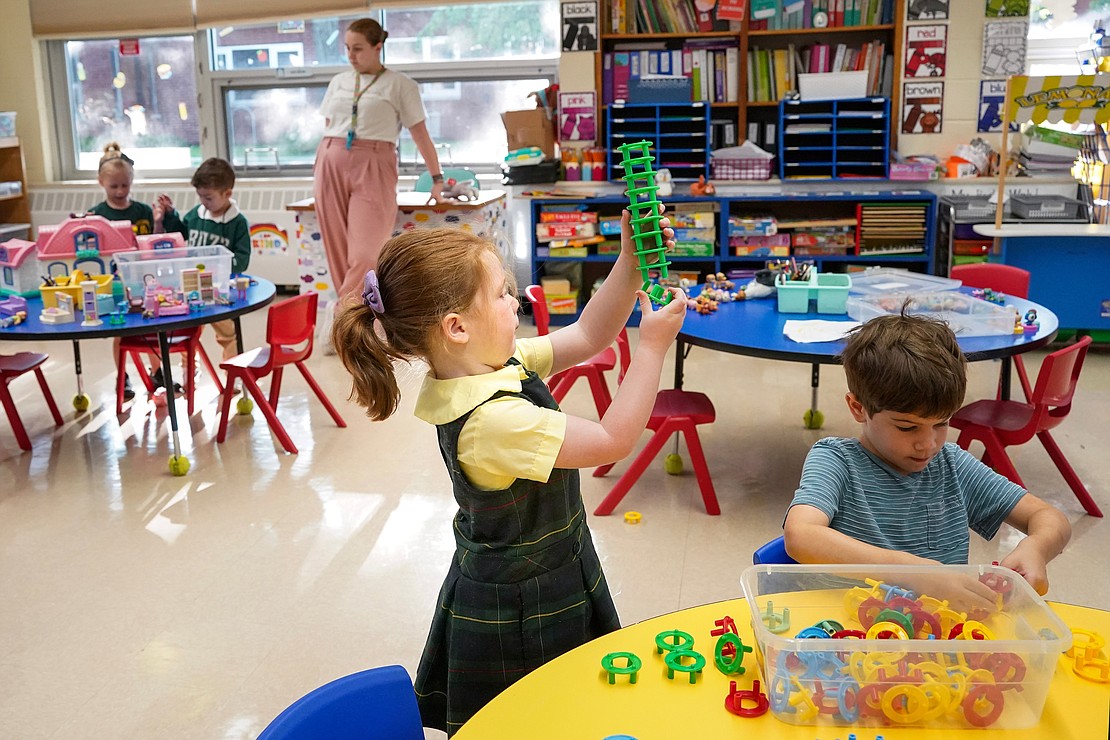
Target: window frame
213,86
64,138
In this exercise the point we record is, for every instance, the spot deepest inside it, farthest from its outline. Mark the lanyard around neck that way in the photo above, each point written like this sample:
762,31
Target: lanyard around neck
354,103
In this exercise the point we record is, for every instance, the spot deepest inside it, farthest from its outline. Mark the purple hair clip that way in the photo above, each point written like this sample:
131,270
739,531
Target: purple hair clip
371,293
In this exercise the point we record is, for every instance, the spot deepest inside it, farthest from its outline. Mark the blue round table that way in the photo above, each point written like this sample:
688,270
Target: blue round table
755,328
260,293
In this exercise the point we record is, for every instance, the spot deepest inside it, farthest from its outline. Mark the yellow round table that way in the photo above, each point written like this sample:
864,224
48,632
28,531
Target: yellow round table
570,697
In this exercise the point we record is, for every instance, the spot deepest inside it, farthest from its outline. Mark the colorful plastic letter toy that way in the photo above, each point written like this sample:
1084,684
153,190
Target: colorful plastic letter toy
631,667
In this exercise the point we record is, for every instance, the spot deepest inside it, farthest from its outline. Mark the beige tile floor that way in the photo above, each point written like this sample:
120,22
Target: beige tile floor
134,604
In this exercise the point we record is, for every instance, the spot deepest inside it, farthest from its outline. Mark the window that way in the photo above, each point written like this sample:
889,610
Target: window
142,95
471,61
259,88
1060,39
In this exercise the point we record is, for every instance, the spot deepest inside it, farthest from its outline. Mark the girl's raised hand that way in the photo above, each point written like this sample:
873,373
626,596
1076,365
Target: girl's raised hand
659,327
628,245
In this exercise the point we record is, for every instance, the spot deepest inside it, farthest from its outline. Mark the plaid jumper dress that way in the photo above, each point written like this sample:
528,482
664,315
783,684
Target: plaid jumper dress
525,584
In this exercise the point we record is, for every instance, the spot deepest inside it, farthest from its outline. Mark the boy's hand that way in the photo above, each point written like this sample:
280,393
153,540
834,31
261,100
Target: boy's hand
962,592
628,245
1027,561
165,202
658,328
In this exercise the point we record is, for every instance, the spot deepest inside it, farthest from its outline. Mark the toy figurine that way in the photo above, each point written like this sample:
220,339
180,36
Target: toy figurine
461,191
15,319
702,187
665,183
1030,324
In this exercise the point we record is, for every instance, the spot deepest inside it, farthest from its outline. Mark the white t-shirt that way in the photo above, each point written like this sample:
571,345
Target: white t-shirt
392,102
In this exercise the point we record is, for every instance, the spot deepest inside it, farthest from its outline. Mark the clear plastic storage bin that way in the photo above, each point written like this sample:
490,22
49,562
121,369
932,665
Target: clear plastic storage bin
999,683
166,265
967,316
880,280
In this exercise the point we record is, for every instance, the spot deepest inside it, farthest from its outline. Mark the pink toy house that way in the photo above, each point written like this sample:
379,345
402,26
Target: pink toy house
155,242
18,271
82,243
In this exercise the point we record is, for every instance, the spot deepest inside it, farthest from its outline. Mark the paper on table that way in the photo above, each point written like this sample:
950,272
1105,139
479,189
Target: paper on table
817,330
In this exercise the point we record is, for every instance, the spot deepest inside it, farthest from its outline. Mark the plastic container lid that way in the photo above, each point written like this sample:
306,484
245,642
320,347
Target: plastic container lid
882,280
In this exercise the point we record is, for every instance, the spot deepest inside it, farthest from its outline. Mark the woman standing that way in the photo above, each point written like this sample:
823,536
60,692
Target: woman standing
356,163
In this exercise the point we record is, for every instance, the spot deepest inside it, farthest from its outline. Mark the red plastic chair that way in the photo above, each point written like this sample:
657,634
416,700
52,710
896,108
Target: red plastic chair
1003,279
185,341
674,411
1001,424
593,369
290,325
11,367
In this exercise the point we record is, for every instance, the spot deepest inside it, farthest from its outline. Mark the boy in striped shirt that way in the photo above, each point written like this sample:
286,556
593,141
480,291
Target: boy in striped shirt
900,494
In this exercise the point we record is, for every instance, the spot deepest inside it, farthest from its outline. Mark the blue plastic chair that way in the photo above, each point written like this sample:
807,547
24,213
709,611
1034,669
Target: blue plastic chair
773,553
378,704
459,174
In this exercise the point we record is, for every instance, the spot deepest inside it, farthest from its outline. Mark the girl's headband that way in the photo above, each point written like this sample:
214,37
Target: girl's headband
113,158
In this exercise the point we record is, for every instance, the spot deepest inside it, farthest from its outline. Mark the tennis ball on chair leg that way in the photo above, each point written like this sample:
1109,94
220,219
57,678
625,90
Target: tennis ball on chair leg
244,406
813,419
179,464
672,464
81,402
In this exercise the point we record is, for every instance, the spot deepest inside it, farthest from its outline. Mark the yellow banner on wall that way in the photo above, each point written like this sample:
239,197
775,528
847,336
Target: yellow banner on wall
1071,99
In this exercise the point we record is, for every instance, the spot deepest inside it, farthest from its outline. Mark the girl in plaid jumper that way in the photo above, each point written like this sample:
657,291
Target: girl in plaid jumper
525,584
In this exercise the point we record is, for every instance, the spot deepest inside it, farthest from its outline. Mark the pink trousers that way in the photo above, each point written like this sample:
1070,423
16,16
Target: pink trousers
356,205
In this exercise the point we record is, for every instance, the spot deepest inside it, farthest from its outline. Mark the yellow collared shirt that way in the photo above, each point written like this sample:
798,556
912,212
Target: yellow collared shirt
507,438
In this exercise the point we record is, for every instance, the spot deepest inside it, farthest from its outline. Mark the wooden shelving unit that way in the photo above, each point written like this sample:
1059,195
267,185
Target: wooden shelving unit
15,208
743,38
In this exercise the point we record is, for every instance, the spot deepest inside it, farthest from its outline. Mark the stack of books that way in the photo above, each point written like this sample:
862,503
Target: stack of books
891,228
1046,151
821,236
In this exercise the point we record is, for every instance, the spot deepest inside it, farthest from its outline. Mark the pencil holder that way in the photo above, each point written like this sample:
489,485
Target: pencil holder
643,206
793,295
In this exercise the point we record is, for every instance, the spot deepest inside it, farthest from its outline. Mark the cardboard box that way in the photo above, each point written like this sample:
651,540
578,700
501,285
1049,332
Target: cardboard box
562,303
525,128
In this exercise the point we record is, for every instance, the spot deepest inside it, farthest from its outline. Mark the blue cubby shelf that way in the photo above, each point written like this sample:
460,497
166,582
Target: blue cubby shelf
679,133
834,139
785,207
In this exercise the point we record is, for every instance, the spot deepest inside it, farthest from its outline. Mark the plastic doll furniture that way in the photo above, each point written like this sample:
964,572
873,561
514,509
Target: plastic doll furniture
1003,279
186,341
290,326
674,411
377,704
1002,424
593,369
773,553
11,367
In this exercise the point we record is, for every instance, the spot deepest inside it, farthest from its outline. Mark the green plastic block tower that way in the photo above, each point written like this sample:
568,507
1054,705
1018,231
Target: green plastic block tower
639,179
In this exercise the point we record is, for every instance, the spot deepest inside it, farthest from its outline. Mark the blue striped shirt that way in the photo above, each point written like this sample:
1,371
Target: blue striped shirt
927,514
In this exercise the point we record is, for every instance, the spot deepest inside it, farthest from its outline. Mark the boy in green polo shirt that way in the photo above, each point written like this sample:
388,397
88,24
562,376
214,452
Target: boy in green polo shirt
216,220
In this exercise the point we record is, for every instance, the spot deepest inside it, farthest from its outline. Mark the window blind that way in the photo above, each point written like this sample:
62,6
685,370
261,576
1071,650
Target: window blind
216,13
70,19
